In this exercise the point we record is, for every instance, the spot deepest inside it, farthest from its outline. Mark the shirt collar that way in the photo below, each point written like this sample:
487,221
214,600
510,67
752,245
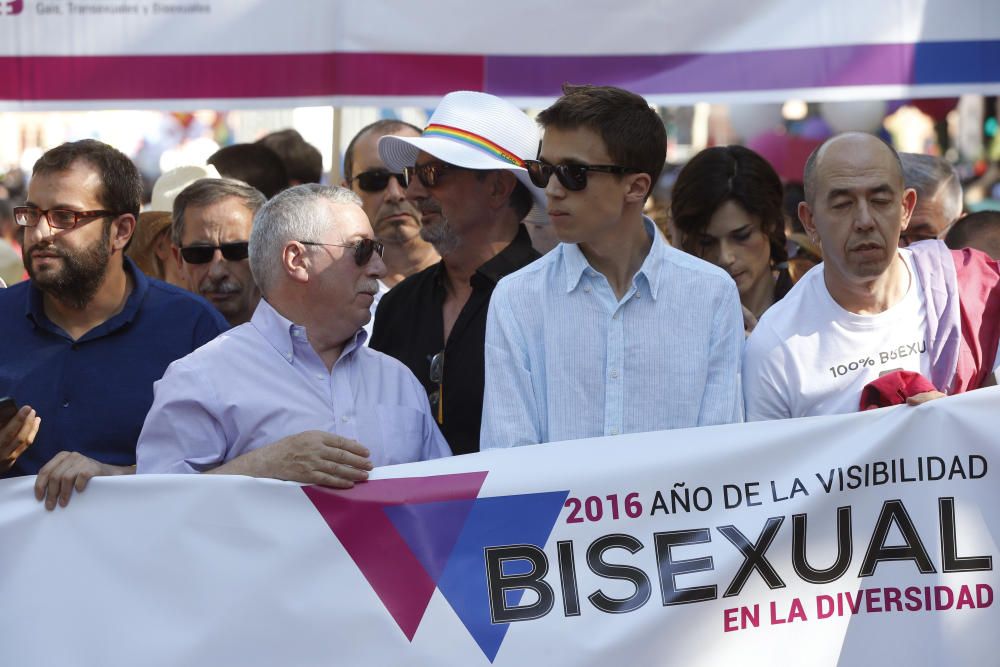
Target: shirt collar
577,265
280,332
515,256
35,303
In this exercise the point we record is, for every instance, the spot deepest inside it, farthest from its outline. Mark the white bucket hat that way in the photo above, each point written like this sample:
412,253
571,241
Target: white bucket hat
170,184
475,131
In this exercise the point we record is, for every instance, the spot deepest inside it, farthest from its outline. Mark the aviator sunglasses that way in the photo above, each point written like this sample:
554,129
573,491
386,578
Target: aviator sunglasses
363,249
572,176
377,180
203,254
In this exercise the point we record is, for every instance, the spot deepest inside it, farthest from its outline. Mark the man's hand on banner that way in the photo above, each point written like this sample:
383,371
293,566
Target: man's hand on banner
311,457
17,435
920,399
71,470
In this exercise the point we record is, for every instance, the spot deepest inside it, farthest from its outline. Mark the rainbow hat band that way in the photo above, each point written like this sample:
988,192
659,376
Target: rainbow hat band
474,140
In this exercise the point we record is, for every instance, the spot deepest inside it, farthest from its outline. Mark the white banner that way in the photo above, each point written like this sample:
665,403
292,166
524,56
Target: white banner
232,53
862,539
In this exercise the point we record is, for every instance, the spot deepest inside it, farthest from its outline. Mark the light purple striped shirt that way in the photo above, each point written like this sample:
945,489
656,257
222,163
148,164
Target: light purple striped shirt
262,381
566,359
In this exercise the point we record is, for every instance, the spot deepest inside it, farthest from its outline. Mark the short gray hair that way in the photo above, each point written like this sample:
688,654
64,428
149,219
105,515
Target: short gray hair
207,191
932,176
294,214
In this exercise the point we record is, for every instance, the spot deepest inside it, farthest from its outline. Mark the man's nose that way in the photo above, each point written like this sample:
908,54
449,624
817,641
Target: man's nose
219,266
394,192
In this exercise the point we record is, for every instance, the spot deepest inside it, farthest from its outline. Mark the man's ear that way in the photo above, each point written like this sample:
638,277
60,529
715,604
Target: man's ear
806,218
122,229
295,262
638,186
909,203
502,184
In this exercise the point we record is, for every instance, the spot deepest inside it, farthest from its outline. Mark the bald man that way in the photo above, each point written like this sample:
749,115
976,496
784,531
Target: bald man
871,307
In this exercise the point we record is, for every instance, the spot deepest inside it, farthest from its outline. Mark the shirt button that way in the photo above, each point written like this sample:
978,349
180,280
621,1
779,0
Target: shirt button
587,290
345,419
65,404
637,295
614,431
615,316
614,374
74,346
320,377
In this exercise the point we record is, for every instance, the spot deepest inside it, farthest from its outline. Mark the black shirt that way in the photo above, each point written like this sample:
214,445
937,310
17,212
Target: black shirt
409,326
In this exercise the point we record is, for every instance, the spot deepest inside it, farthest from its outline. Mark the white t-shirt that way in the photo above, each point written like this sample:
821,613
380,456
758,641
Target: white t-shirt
809,356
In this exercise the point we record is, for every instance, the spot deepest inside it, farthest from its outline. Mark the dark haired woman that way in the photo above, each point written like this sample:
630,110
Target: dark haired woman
726,207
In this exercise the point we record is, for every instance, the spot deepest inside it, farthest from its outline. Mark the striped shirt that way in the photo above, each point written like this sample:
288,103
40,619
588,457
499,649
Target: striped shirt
566,359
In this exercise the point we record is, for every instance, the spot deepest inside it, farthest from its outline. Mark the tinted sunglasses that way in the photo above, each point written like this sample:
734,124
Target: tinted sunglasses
203,254
429,174
363,249
377,180
572,176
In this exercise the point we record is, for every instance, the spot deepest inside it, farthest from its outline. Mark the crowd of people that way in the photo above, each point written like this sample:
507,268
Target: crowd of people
488,281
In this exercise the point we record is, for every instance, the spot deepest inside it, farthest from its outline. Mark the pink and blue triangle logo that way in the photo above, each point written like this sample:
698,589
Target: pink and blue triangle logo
412,536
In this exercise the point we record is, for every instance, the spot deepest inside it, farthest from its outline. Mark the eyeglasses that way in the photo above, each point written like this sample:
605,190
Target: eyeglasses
572,176
429,174
363,249
377,180
203,254
437,377
59,218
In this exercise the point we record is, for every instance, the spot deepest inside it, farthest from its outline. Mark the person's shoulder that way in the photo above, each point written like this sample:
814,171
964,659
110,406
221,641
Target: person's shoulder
677,261
164,295
538,273
170,301
15,295
794,308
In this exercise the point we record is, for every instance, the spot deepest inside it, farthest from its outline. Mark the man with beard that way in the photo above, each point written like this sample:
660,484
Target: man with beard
88,334
394,218
210,234
294,394
870,309
466,175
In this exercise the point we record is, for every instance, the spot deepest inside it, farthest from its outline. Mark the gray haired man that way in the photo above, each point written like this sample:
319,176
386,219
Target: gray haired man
294,394
939,197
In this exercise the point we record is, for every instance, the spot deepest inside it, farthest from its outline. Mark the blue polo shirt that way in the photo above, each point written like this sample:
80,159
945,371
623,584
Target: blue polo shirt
93,393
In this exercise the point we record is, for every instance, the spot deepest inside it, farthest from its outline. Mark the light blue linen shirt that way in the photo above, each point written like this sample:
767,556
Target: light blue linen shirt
262,381
566,359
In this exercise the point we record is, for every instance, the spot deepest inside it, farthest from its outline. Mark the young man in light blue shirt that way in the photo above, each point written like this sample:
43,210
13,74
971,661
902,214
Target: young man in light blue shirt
613,331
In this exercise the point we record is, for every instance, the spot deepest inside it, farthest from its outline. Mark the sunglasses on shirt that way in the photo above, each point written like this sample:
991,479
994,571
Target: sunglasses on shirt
363,249
573,177
203,254
377,180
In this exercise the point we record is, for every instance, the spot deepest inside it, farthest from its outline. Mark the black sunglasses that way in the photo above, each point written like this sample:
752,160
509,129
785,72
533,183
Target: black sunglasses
572,176
203,254
429,174
363,249
377,180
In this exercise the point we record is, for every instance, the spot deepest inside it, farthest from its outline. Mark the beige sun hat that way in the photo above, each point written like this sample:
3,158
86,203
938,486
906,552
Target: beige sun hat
170,184
472,130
